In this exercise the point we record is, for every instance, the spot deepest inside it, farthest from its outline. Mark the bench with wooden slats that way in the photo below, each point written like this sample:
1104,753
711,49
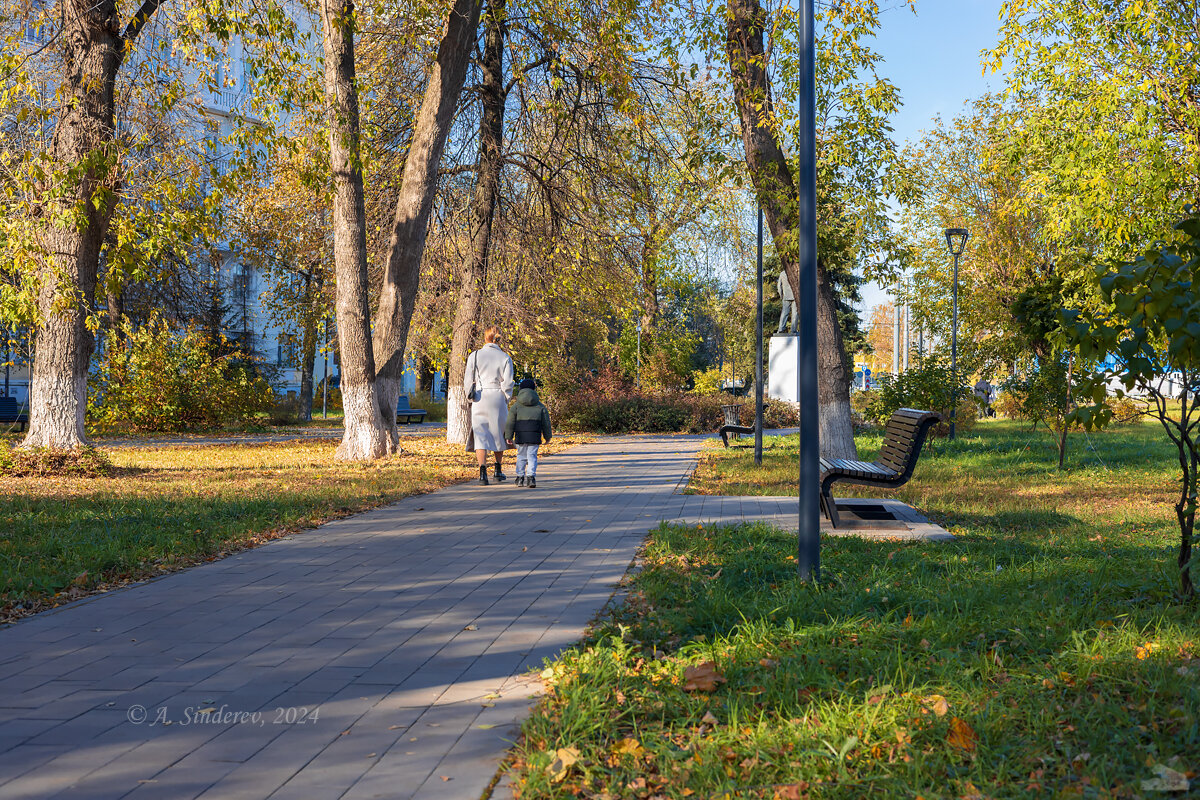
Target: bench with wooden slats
741,430
11,413
902,443
407,413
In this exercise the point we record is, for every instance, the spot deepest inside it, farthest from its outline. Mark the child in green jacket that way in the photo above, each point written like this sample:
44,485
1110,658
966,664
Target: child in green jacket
528,424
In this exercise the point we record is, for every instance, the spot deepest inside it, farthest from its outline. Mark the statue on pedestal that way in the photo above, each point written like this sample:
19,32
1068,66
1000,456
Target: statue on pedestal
789,305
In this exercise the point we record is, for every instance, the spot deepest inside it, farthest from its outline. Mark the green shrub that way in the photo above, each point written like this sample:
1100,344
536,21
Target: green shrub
1125,411
435,409
707,381
607,403
860,403
928,386
154,378
286,410
1010,403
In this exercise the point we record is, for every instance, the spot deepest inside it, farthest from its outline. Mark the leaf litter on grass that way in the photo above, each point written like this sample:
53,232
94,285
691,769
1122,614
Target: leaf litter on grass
1057,674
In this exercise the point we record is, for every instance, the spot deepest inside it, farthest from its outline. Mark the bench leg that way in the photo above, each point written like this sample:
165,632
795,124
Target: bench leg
829,506
724,436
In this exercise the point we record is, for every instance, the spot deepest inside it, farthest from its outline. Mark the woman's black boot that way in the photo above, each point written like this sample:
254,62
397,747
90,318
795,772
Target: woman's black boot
483,475
498,475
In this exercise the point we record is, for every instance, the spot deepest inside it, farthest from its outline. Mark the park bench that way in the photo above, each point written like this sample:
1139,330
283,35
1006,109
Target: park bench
902,442
731,424
409,414
11,414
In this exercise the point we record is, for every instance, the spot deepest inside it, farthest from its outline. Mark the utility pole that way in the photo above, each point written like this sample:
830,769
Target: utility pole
758,360
896,334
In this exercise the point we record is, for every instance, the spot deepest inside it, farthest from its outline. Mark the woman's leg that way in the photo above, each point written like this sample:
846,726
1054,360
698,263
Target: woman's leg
481,456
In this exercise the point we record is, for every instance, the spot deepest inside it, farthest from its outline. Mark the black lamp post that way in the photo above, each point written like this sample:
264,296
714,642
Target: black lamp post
325,374
956,242
808,555
758,359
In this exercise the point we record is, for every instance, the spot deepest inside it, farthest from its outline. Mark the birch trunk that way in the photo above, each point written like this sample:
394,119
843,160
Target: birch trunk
365,436
483,211
776,190
402,272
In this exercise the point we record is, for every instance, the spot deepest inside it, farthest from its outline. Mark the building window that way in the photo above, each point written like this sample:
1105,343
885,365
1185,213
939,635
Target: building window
36,27
287,351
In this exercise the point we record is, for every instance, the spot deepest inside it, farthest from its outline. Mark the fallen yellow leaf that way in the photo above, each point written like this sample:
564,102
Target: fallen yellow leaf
961,736
937,704
702,678
564,759
1166,780
628,746
1144,651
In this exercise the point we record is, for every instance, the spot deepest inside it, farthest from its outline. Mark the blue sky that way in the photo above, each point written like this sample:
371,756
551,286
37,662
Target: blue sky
933,57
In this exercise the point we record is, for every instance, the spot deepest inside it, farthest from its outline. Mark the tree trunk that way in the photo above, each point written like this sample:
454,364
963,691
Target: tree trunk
425,375
1185,513
93,49
649,286
483,210
777,192
1185,509
308,357
833,387
402,273
365,436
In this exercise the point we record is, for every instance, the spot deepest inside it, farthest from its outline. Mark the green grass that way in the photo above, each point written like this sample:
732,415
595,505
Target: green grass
165,507
1050,630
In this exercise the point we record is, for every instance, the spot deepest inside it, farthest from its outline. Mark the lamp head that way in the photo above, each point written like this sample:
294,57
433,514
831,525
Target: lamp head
956,240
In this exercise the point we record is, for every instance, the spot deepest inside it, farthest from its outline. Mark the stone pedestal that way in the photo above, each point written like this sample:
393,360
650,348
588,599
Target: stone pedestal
783,377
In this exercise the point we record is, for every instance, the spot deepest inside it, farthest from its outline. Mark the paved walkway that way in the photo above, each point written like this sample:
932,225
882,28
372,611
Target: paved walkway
381,655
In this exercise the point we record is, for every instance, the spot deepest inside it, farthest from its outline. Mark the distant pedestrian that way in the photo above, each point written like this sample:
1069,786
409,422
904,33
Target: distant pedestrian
528,425
488,382
985,394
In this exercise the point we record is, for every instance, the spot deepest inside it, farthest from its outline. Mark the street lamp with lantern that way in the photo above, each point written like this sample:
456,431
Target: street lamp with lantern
956,242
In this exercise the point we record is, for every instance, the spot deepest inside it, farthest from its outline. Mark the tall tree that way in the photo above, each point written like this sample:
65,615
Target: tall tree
410,224
772,178
93,47
1109,124
366,436
493,95
282,225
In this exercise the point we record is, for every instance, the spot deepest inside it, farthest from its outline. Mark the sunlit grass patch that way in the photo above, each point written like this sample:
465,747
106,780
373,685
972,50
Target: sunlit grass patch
1042,653
165,507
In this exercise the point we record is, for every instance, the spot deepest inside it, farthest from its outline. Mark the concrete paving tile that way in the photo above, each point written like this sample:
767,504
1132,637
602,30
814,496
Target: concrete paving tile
362,620
64,770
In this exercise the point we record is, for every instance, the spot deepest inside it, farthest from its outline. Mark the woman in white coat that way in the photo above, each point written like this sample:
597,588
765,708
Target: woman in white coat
489,375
